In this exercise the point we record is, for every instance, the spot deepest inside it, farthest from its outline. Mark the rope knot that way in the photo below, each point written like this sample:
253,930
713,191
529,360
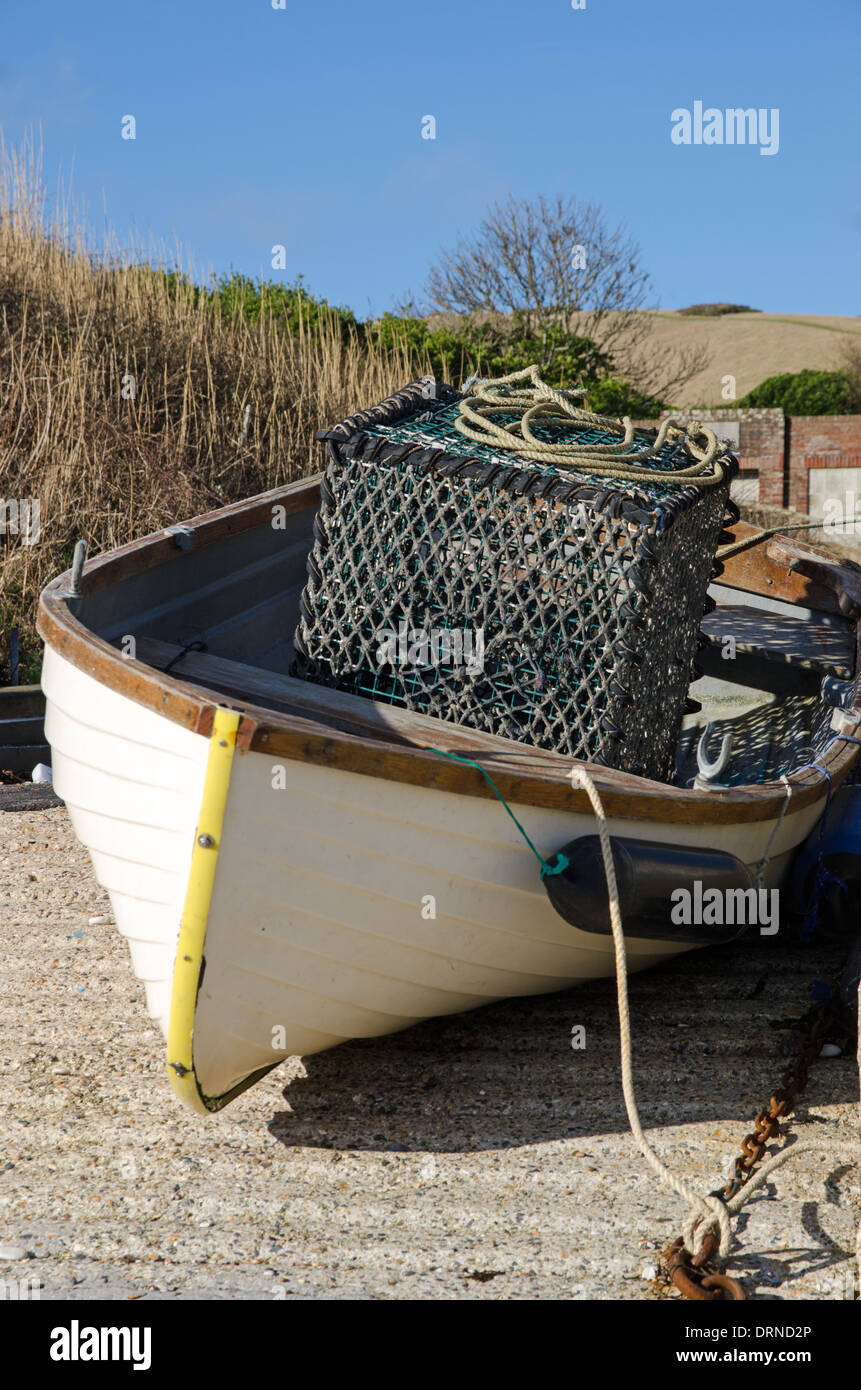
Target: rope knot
710,1213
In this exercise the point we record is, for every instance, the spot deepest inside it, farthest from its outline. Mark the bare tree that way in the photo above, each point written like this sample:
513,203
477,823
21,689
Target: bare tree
556,263
659,369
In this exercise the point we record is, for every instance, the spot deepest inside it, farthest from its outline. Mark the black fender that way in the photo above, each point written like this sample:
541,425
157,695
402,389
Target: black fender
647,874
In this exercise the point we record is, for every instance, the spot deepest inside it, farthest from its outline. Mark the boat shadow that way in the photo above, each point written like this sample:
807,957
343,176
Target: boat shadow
546,1068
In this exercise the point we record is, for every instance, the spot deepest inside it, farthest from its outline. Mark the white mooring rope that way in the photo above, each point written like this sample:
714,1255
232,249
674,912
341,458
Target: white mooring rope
709,1211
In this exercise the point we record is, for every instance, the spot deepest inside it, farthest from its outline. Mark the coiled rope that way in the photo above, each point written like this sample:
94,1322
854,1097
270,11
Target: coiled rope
488,397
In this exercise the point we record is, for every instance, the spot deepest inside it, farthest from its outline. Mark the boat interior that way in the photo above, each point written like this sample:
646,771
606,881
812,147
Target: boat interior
778,651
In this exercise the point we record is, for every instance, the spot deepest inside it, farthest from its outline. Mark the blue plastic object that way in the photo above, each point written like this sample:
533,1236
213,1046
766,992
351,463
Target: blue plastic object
839,832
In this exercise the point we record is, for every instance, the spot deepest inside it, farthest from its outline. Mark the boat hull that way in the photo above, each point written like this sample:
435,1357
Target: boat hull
341,906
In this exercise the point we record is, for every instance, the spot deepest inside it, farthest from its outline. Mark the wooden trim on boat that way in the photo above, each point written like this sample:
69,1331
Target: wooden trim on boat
795,572
399,750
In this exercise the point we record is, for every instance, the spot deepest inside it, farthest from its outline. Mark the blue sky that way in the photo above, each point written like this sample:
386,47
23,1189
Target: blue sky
302,126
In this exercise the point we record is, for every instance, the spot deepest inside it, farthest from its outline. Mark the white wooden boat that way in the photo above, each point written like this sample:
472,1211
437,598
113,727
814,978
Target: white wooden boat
292,867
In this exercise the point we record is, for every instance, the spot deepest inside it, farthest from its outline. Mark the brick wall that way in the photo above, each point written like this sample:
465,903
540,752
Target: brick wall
760,431
825,434
783,451
770,468
820,441
760,447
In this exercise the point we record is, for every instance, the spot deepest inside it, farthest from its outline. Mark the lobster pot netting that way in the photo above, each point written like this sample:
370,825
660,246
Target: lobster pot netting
509,596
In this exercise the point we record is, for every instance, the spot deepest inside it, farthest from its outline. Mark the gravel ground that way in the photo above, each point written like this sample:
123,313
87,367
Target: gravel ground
471,1157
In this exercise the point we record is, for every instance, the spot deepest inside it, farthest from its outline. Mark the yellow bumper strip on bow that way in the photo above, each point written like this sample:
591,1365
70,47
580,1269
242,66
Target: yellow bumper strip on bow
192,931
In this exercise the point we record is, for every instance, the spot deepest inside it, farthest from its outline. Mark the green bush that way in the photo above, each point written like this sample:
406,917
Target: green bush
563,358
717,310
804,393
453,356
286,304
615,396
492,349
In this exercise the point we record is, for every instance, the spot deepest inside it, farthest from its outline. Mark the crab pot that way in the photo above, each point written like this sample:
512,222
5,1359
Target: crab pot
517,597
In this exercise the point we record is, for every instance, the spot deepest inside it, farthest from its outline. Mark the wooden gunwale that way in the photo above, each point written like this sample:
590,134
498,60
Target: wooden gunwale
398,751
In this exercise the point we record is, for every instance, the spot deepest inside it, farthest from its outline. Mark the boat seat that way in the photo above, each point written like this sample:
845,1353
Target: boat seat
259,686
351,714
818,647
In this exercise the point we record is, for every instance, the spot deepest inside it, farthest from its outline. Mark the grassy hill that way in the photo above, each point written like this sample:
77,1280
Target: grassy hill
751,347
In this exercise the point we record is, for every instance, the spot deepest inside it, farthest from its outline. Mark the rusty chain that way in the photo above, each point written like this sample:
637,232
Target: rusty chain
691,1274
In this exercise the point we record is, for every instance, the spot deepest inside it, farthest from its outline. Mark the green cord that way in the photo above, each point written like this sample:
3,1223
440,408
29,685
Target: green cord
547,870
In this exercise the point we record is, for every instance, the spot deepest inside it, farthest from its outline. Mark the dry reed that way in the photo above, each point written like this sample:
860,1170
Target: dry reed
124,393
